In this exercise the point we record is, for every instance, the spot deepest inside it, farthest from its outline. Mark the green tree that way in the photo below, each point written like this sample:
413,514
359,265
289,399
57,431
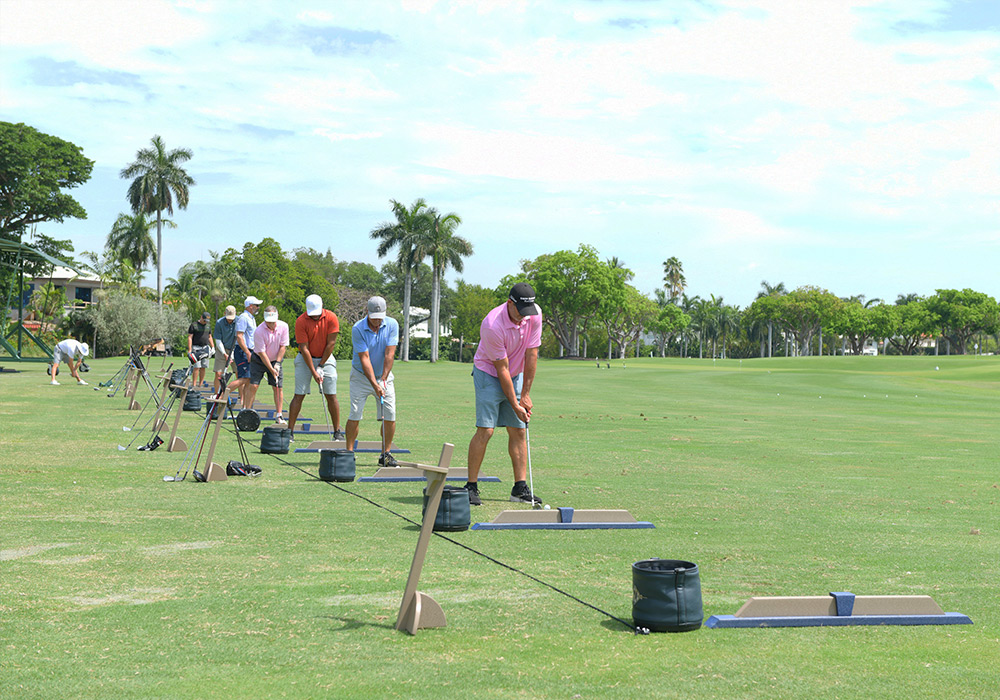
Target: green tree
570,287
804,312
445,248
48,302
669,321
131,240
471,304
401,235
624,316
963,313
856,322
673,278
770,290
157,179
123,319
34,169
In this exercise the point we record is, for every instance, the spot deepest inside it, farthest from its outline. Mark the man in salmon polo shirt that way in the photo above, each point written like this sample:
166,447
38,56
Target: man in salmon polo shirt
316,334
504,371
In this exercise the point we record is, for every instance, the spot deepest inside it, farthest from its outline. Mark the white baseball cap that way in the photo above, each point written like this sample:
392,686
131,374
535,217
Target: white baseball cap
270,316
314,305
250,300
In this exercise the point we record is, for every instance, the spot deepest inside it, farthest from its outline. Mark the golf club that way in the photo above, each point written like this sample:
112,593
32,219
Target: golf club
531,481
203,430
326,414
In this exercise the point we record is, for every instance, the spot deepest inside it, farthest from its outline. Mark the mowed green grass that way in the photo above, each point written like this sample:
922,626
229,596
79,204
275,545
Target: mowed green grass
777,477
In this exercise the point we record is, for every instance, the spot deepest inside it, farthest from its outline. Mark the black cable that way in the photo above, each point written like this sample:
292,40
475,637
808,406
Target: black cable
634,628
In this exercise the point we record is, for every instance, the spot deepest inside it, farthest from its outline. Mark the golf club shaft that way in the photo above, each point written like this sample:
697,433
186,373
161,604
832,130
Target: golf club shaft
531,480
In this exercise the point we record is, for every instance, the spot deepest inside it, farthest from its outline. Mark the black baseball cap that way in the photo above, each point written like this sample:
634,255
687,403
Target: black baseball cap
523,297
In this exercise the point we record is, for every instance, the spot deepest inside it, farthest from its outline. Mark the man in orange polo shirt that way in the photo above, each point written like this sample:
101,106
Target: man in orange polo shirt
316,334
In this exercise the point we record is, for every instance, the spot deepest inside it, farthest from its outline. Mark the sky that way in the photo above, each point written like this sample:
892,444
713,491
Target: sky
852,145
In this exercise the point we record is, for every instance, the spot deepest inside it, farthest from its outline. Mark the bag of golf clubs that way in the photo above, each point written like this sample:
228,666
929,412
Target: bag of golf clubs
235,468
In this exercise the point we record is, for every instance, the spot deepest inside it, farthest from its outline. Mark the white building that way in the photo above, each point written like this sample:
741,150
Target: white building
420,323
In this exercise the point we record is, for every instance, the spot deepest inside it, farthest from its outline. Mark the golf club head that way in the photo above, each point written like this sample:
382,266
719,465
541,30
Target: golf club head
173,478
121,448
126,429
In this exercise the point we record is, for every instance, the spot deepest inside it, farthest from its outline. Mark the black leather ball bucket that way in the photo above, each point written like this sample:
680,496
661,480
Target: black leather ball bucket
666,595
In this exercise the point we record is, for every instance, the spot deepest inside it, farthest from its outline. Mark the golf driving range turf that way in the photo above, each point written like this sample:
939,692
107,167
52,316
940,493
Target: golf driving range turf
877,476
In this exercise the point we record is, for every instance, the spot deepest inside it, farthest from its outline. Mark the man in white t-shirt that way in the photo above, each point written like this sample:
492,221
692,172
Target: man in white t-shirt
72,352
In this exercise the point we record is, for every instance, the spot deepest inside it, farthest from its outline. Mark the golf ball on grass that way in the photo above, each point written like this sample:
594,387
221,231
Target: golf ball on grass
548,507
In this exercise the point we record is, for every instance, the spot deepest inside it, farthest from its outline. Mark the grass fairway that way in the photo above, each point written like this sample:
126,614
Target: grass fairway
777,477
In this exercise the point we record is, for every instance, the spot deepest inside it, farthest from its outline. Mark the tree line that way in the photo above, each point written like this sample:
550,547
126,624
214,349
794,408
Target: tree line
590,307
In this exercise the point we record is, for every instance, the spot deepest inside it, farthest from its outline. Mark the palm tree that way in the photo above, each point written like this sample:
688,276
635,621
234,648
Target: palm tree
157,178
769,290
131,241
400,235
440,243
673,277
187,290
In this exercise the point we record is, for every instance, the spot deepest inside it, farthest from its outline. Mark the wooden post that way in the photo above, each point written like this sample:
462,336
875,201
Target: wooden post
175,444
213,471
418,610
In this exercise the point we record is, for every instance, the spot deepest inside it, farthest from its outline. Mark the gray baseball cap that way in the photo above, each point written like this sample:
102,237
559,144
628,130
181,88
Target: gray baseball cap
376,307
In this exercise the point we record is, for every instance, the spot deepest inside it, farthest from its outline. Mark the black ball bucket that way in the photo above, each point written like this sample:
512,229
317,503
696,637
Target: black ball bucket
192,402
275,440
666,595
336,465
453,512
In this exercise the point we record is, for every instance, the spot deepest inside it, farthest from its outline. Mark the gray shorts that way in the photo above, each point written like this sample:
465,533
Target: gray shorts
492,407
58,356
199,350
304,378
361,389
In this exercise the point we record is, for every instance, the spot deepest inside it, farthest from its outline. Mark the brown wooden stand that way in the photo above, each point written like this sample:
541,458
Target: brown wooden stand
213,471
175,444
418,610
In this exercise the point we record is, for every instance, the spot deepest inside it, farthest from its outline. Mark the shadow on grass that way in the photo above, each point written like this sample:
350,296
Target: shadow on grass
353,624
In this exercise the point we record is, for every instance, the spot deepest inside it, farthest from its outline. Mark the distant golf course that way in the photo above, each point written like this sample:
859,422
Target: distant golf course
779,477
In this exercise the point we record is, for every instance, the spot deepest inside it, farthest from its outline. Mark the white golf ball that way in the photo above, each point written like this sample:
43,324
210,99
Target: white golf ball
548,507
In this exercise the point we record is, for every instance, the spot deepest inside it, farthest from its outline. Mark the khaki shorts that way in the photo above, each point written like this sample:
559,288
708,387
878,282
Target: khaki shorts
304,378
361,389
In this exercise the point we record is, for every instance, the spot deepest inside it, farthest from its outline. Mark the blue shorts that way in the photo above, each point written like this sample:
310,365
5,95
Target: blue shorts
242,363
493,410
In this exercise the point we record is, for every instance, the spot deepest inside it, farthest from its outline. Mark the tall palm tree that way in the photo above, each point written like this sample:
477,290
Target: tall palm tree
673,277
400,235
771,290
157,178
131,240
440,243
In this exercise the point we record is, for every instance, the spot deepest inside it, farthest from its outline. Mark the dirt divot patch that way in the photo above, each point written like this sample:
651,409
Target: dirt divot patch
165,549
138,596
21,552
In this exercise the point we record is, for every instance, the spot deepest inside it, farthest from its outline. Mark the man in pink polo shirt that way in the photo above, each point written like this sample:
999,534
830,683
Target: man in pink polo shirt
270,340
504,370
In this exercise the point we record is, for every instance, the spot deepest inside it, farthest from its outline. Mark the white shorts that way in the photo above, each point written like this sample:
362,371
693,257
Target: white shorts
361,389
304,378
58,356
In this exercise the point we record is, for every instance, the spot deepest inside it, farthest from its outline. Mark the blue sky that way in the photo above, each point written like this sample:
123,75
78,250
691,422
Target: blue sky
848,144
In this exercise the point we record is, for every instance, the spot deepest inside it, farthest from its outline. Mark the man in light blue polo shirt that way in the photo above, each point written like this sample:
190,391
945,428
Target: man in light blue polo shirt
246,324
374,339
